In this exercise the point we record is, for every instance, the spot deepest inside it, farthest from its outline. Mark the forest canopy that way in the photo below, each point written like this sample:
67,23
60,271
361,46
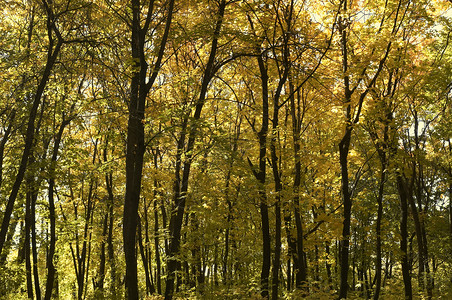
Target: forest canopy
225,149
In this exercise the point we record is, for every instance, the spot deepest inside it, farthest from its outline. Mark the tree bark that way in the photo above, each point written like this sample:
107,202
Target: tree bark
156,228
50,255
139,89
98,283
382,149
34,248
110,246
351,119
110,214
298,245
5,138
378,229
144,259
261,177
181,186
403,195
52,54
347,203
28,267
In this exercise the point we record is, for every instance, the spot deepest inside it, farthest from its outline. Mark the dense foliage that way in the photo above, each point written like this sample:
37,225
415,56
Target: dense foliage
225,149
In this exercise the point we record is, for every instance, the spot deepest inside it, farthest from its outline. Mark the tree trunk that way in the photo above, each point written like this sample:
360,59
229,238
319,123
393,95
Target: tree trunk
110,214
382,148
351,118
298,246
28,222
347,203
260,175
403,195
284,74
135,152
98,283
6,135
344,146
277,257
229,203
148,247
181,186
139,88
149,286
52,54
110,247
50,255
418,213
34,198
378,229
156,239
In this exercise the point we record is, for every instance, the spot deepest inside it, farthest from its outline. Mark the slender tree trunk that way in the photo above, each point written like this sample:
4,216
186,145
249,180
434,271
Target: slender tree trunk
34,247
181,186
229,203
83,254
328,266
260,175
110,214
172,263
284,75
9,242
134,153
277,256
418,213
383,156
88,256
450,195
344,147
417,227
156,237
197,269
347,203
266,253
298,247
149,287
110,246
403,195
5,138
139,88
147,248
50,255
226,237
378,230
98,283
28,267
52,54
351,118
278,189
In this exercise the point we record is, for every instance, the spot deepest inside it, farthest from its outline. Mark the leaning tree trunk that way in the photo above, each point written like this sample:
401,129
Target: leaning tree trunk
52,54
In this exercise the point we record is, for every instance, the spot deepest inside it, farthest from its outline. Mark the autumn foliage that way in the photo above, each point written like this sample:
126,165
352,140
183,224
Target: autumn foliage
224,149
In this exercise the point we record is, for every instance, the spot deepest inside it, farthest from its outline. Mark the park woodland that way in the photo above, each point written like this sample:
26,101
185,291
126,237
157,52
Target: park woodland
225,149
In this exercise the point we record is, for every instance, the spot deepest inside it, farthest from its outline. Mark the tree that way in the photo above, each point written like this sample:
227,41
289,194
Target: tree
181,184
140,86
283,149
55,41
